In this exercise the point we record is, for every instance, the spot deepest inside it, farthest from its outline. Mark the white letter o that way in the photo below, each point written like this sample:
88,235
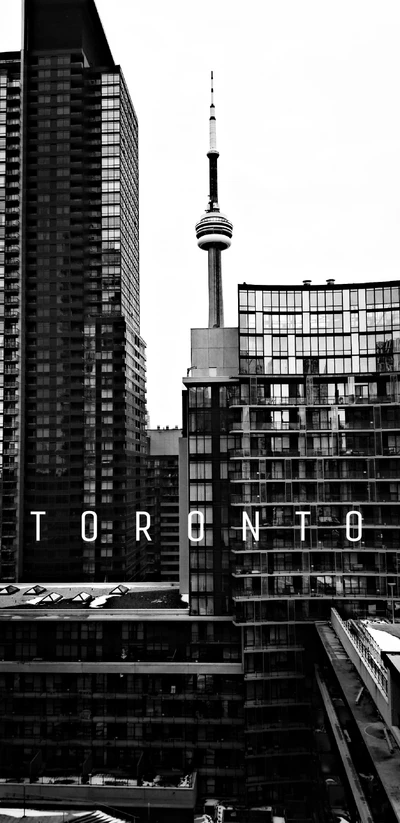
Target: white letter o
83,527
349,526
201,521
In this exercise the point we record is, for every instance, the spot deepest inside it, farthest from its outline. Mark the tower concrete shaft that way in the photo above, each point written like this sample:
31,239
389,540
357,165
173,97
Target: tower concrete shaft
215,299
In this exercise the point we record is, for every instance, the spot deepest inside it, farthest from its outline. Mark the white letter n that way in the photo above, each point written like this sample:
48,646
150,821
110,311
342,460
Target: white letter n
247,523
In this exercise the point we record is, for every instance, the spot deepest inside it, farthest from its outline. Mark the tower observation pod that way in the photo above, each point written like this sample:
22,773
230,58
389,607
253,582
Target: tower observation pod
214,230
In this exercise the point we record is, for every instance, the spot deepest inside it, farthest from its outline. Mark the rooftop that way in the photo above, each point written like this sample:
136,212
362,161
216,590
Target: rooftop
90,597
308,285
11,815
385,634
50,25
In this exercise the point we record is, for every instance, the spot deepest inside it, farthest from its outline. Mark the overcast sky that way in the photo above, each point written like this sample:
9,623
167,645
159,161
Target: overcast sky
308,128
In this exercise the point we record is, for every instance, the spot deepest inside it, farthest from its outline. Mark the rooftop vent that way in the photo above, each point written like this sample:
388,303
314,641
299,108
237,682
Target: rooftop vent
120,589
307,282
331,281
8,590
35,590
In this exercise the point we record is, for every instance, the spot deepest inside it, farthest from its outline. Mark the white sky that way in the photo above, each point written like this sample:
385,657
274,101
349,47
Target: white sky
308,129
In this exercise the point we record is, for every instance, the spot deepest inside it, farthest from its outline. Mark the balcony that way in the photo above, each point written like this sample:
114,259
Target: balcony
283,674
256,453
357,425
275,427
255,499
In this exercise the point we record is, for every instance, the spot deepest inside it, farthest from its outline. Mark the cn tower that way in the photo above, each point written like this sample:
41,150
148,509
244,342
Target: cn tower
214,230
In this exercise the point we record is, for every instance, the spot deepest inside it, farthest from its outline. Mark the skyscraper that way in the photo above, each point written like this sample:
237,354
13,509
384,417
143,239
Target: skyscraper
74,362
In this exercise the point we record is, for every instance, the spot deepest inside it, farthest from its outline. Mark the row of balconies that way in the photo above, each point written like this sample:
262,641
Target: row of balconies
320,495
269,543
137,719
322,401
273,674
336,566
282,519
333,585
328,451
290,749
260,426
266,701
191,696
275,779
305,471
316,474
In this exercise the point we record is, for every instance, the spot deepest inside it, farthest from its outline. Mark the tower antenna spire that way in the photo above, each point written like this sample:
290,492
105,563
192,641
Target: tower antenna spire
213,154
214,230
213,122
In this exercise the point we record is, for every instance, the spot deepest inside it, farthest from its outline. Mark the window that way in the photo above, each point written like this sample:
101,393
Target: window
200,471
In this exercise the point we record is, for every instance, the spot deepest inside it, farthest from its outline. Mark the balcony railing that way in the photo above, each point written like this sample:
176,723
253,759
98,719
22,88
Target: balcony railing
365,649
271,426
351,400
274,588
263,453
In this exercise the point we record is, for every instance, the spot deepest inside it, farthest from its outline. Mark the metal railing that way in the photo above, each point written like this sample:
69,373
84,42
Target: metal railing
363,648
350,400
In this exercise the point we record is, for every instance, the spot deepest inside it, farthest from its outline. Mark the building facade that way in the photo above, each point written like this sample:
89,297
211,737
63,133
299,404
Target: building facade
74,362
116,695
163,503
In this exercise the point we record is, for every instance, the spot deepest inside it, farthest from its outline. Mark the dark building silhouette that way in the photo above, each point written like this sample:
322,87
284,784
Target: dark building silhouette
163,503
74,362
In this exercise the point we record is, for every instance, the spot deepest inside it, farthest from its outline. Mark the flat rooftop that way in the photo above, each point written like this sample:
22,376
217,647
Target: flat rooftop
90,597
57,816
385,634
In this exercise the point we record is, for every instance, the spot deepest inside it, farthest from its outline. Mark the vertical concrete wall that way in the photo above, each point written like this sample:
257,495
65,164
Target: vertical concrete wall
183,516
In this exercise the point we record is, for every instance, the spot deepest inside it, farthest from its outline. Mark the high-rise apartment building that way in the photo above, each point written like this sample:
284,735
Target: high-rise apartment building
298,440
73,373
315,420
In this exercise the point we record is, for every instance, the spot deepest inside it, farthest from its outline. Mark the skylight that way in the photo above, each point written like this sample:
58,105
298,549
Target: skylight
9,590
120,590
35,590
52,597
82,597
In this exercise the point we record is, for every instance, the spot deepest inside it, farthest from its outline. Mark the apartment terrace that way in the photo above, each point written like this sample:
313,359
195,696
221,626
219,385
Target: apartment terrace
164,791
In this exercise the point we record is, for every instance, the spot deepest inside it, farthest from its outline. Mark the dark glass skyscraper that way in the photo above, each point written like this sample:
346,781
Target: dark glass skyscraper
73,374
